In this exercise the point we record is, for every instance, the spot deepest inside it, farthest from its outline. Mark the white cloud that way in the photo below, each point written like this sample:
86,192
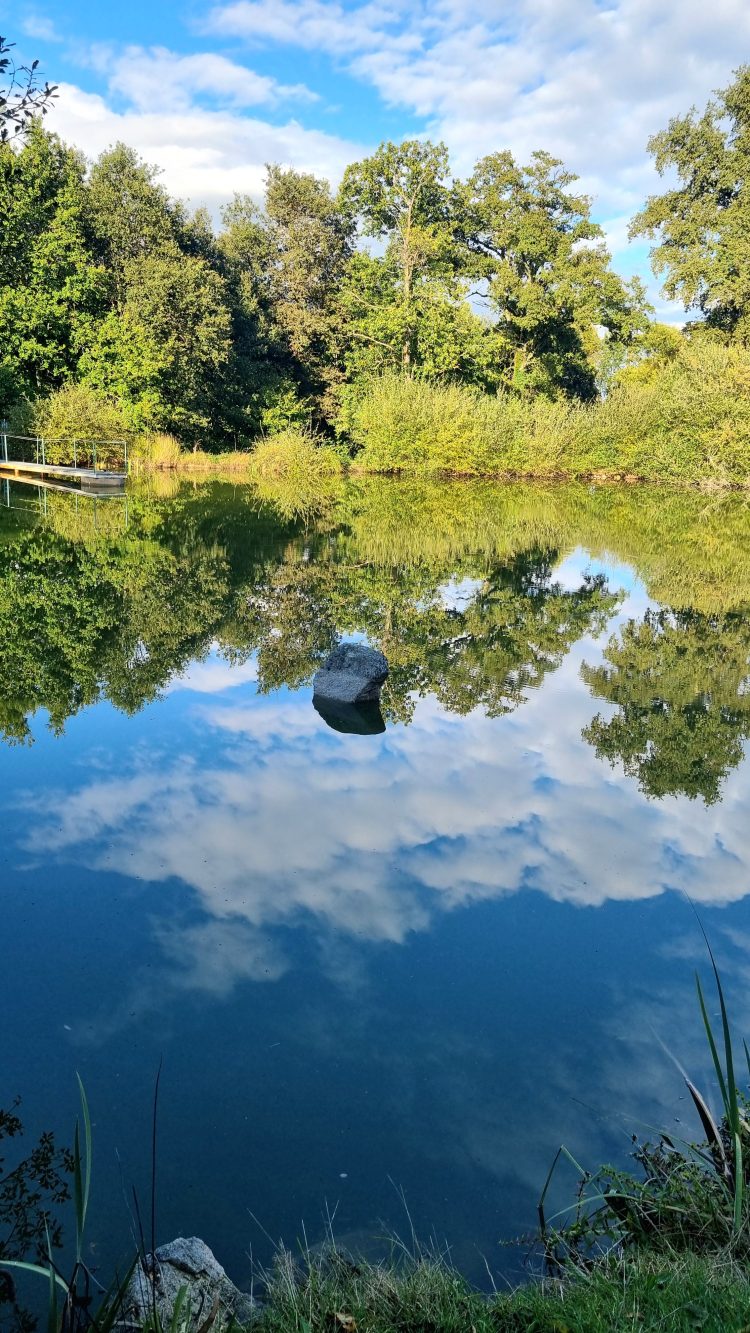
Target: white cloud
206,155
316,25
158,79
39,28
588,84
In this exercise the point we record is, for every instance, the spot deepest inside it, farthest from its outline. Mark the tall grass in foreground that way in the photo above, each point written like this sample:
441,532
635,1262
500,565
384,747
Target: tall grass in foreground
688,423
690,1197
334,1293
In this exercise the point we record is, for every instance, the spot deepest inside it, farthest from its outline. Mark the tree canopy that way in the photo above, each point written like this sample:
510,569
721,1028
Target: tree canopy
702,225
280,314
284,312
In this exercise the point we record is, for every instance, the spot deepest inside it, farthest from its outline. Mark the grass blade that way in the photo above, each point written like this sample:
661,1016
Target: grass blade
25,1267
78,1191
712,1044
88,1152
710,1129
739,1184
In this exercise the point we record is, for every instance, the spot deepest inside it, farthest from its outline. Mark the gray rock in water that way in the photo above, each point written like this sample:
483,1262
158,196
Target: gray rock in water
353,674
189,1264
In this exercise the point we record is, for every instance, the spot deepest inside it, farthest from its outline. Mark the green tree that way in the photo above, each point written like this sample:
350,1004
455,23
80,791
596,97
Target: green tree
130,214
52,290
167,352
406,301
702,225
308,244
259,382
547,272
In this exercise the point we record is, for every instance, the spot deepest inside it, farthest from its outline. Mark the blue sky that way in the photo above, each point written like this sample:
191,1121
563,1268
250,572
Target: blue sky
211,90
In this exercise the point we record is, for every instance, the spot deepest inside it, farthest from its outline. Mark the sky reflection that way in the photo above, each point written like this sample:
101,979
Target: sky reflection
364,958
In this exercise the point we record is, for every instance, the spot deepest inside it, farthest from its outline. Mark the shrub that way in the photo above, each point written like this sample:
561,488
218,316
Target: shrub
687,423
292,455
79,412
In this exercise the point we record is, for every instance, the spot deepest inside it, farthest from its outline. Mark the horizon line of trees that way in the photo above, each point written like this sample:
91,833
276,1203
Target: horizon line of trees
500,281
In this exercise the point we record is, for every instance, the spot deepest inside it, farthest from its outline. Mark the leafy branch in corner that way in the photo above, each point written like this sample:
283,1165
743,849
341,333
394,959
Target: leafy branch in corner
22,96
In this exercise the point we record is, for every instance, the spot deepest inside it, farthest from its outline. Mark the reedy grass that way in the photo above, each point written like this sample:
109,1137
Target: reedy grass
154,451
293,455
692,1197
687,424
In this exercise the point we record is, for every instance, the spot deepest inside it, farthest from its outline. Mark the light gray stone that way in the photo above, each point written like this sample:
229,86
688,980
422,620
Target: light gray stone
353,674
187,1263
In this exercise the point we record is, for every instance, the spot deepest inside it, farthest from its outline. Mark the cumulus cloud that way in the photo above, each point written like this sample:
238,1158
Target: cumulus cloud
318,25
586,81
157,78
206,154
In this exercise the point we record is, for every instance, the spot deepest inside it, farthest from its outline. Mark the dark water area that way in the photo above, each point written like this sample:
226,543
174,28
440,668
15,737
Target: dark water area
409,962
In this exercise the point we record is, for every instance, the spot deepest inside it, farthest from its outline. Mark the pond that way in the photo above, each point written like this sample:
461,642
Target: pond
388,971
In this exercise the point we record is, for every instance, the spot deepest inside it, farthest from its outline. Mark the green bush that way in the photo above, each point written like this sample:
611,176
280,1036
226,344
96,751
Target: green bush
687,423
78,412
293,455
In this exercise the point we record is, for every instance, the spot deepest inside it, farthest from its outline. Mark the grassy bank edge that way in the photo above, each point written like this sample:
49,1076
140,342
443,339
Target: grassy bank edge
426,1295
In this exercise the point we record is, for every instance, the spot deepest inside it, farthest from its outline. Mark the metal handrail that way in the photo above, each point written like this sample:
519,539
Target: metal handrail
91,444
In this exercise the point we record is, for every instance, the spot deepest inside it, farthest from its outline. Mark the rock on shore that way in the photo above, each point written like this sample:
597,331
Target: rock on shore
189,1264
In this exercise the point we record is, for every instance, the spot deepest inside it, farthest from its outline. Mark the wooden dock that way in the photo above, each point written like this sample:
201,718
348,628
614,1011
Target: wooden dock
87,476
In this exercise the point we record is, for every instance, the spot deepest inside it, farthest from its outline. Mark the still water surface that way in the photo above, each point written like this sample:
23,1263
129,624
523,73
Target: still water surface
414,960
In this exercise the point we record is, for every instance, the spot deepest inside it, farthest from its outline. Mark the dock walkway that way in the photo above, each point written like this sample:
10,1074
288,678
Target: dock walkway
86,475
90,461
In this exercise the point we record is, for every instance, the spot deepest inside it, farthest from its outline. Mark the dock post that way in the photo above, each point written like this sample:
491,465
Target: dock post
4,429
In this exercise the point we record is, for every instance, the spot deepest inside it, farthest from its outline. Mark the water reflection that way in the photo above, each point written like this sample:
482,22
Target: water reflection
680,683
371,956
363,719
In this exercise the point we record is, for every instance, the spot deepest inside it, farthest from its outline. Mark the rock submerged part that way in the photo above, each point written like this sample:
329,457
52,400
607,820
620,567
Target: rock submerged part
210,1296
352,674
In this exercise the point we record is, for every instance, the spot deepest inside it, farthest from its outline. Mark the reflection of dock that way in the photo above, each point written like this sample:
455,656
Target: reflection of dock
93,489
85,502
